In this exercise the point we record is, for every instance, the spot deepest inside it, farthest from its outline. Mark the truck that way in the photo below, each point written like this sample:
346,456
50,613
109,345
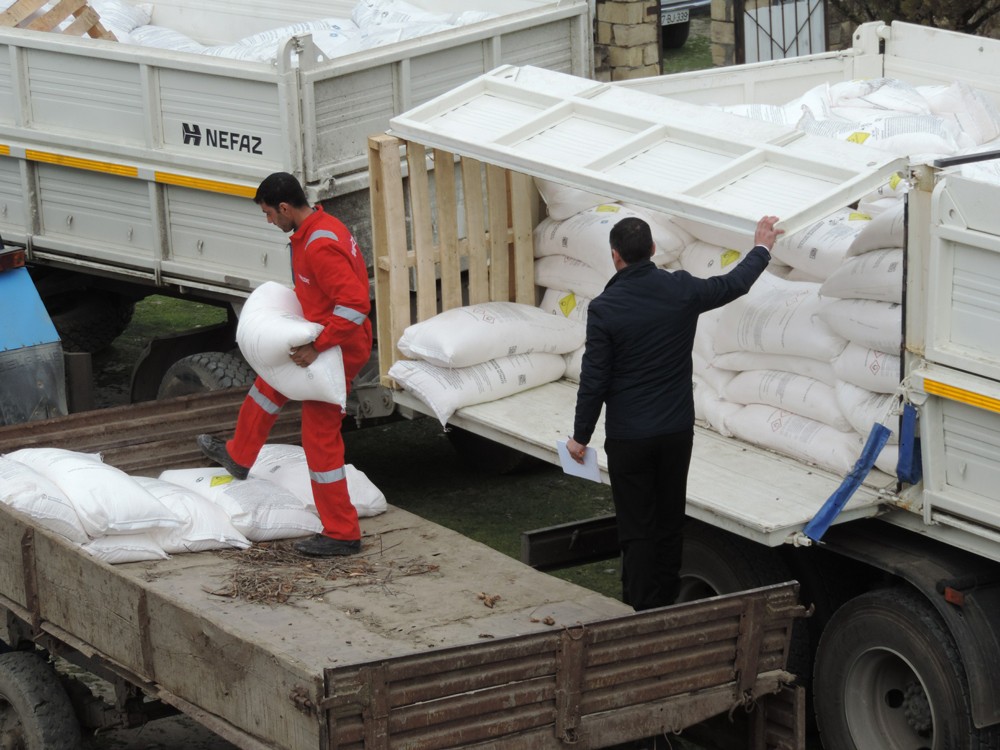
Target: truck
903,647
127,170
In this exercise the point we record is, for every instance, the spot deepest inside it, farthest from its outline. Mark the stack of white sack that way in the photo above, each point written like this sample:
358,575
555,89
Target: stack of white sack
919,122
478,353
373,23
573,254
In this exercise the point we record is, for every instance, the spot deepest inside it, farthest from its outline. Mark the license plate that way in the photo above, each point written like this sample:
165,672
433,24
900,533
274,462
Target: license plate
669,17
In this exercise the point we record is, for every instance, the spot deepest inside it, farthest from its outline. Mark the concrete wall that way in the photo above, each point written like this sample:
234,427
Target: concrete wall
626,39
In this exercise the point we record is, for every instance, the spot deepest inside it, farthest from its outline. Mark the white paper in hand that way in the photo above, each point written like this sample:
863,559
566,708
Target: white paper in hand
588,469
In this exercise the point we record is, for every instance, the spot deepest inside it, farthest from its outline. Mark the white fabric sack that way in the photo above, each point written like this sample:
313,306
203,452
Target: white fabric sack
884,230
206,525
888,196
868,368
878,95
574,364
265,52
274,36
286,465
868,323
778,317
120,17
565,304
471,335
790,392
888,459
24,489
259,509
163,38
445,390
971,110
862,409
876,275
106,499
797,274
703,259
820,248
704,334
710,408
562,201
796,436
920,137
393,12
125,548
716,378
564,272
810,368
270,324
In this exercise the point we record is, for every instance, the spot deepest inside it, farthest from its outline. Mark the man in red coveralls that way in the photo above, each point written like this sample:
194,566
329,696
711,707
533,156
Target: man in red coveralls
331,283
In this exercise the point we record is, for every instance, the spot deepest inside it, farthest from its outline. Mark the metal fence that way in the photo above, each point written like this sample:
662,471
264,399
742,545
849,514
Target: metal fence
776,29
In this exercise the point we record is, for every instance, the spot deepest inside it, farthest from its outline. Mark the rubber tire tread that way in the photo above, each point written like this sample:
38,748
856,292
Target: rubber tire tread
204,372
93,323
923,618
32,688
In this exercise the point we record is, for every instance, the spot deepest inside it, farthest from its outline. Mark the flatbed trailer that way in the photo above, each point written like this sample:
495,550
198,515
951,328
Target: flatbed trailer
400,648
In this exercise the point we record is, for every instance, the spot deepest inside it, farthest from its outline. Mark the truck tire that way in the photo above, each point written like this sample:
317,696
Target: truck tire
35,712
89,321
204,372
675,34
888,676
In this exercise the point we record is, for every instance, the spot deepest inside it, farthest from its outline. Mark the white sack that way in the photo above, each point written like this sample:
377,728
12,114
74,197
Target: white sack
704,334
120,17
562,201
471,335
259,509
789,392
820,248
868,368
274,36
778,317
565,304
796,436
796,274
205,525
125,548
286,465
876,275
446,389
393,12
884,230
715,377
971,110
24,489
878,96
163,38
862,408
574,364
810,368
710,408
888,459
886,197
868,323
271,323
703,259
106,499
563,272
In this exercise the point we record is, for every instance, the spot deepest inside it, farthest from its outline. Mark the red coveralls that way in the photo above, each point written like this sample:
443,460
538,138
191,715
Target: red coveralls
331,283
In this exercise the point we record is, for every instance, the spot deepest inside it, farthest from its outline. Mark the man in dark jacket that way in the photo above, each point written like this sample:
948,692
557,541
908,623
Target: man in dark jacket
640,334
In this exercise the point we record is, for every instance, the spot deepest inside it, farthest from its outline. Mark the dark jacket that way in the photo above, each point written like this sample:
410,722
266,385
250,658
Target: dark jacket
640,333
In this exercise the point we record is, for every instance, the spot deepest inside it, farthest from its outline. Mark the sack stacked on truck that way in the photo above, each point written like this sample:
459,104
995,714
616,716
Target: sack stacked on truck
478,353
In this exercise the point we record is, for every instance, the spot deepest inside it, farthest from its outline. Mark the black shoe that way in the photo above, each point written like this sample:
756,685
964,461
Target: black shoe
215,449
319,545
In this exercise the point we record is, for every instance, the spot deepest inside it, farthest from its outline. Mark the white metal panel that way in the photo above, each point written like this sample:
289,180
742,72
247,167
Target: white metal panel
13,220
728,174
8,106
963,302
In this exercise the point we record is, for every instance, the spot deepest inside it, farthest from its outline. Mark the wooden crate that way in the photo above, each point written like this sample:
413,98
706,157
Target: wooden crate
86,20
445,237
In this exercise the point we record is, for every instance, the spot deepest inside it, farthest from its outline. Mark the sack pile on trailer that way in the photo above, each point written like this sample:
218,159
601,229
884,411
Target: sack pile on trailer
120,518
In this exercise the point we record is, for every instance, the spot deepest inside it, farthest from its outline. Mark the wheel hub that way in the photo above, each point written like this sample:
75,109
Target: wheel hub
886,705
917,709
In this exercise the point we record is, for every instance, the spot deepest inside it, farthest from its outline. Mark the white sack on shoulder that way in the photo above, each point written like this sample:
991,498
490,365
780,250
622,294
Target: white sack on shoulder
786,390
286,465
872,324
445,390
259,509
796,436
863,408
24,489
820,248
106,499
778,317
876,275
125,548
471,335
868,368
206,525
270,324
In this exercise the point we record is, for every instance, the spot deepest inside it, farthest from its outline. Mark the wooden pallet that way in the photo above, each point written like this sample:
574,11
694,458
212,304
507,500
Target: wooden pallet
22,14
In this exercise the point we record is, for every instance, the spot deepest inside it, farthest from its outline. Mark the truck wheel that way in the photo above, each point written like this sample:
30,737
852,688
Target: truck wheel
204,372
35,712
888,677
485,455
89,321
675,34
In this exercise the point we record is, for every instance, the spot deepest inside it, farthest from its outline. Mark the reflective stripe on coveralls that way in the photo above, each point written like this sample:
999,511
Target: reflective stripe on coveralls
263,401
326,477
354,316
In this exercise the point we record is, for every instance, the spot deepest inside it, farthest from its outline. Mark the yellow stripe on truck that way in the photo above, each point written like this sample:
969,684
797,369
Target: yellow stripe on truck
76,163
212,186
950,392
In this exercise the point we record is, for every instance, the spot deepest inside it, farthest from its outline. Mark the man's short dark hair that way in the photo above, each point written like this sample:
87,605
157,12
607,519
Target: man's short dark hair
280,187
633,240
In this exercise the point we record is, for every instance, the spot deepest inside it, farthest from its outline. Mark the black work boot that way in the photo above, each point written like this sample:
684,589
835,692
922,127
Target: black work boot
320,545
215,449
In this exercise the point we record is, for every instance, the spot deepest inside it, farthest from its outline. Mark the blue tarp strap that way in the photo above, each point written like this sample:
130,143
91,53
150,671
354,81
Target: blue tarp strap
877,439
909,468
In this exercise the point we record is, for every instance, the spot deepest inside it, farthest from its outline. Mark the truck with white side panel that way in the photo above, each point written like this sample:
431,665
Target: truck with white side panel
905,638
128,170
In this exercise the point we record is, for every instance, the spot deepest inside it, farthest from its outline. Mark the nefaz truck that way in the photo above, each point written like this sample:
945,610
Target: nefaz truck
902,562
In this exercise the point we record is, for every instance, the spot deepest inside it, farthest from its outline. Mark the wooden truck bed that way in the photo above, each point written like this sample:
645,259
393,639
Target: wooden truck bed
398,646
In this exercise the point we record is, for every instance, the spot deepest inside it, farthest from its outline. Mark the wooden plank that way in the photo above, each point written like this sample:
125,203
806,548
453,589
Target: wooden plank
475,229
447,213
496,195
523,211
56,15
422,231
19,11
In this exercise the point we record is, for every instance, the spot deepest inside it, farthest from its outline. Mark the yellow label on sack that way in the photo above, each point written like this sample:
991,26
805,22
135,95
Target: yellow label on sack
729,257
858,216
858,137
608,208
567,304
222,479
895,180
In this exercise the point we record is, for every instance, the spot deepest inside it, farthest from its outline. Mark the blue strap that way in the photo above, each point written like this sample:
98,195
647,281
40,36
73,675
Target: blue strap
909,468
826,515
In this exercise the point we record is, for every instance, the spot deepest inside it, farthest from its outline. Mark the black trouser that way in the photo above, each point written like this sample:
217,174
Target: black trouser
649,486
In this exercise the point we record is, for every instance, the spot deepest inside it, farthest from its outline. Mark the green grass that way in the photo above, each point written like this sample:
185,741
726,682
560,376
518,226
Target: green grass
695,54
